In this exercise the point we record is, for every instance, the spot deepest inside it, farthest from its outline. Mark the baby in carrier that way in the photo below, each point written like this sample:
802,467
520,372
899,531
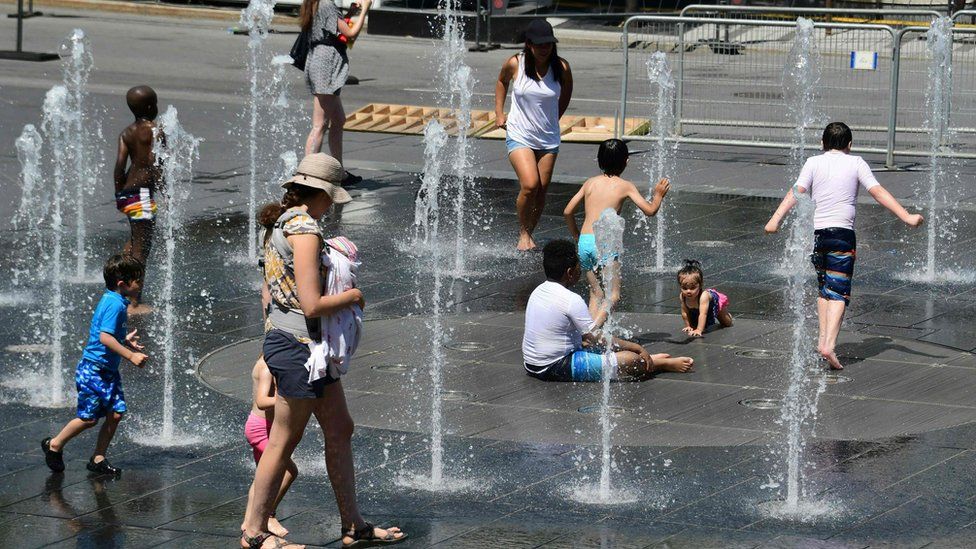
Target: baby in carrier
339,333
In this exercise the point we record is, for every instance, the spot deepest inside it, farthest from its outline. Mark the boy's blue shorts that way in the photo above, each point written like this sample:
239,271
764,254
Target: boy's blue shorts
586,250
580,365
99,391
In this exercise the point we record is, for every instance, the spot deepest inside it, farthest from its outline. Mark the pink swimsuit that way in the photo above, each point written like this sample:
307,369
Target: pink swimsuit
256,430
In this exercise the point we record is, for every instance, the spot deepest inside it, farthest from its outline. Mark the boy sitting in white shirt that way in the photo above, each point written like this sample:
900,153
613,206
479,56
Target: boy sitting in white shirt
559,342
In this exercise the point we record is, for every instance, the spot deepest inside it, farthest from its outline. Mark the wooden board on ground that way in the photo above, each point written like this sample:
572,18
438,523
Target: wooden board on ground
498,133
408,119
585,129
594,129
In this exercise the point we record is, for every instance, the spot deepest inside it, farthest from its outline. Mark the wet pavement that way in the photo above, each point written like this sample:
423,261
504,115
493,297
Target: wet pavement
891,461
890,465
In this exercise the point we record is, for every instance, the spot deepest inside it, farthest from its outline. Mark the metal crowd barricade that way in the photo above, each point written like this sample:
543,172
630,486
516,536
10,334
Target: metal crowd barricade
729,88
910,108
856,15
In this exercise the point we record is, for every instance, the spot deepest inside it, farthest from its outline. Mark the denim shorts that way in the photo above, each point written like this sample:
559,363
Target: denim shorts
286,358
512,144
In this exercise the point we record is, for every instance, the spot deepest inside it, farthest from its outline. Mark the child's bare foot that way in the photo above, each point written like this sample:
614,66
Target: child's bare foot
525,242
679,365
276,528
828,354
832,359
139,309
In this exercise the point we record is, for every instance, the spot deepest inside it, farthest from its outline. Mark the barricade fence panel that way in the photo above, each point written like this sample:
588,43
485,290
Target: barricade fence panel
912,128
729,75
887,16
730,78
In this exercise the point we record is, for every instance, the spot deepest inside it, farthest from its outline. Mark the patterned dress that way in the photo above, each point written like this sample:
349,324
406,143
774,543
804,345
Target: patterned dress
279,272
327,67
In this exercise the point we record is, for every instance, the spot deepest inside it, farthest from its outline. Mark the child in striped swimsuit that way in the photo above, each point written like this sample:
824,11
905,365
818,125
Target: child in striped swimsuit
137,175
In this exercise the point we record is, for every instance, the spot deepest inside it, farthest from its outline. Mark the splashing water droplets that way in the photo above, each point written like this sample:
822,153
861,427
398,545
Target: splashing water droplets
661,162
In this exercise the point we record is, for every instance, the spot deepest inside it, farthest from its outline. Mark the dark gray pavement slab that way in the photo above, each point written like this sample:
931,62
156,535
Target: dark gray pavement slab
894,446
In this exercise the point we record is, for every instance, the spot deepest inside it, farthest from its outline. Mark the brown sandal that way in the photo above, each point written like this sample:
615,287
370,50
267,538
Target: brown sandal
366,537
257,542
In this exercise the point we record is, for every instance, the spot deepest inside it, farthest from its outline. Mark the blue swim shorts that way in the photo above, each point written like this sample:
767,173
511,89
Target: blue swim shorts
582,365
512,144
834,254
586,250
99,390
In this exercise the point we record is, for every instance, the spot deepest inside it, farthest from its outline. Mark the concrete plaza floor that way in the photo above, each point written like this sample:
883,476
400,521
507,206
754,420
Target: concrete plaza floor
891,459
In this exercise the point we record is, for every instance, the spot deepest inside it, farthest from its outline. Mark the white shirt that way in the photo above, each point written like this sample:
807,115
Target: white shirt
340,331
533,119
555,320
832,179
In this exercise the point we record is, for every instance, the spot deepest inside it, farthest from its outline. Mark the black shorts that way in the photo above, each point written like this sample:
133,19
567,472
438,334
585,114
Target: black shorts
286,358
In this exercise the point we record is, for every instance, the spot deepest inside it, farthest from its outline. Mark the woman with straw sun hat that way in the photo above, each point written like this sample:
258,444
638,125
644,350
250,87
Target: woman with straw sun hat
293,273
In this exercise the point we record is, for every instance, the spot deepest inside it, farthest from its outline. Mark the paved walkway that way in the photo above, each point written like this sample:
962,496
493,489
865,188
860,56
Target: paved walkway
891,465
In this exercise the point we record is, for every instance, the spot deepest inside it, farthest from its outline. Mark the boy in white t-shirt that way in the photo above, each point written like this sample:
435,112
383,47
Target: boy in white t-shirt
832,179
559,343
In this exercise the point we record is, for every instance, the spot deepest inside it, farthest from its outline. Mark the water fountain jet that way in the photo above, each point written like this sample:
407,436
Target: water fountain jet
175,151
256,19
661,162
86,160
608,231
798,412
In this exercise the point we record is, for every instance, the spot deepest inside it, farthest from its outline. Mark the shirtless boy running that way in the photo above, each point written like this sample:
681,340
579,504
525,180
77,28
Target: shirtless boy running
136,186
597,194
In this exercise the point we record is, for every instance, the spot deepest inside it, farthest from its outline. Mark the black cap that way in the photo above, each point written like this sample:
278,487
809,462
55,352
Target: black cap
539,31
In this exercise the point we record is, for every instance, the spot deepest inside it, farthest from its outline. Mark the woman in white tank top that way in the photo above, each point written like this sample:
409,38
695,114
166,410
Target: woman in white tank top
542,85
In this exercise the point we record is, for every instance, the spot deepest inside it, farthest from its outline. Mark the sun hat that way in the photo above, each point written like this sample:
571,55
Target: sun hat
321,171
539,31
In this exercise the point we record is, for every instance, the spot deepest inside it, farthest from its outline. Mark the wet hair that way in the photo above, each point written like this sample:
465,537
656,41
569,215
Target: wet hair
122,268
692,267
612,156
306,14
142,102
558,256
555,64
837,136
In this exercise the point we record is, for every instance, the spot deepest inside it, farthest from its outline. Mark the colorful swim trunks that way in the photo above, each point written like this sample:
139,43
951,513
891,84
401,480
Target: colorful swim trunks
136,204
586,250
99,390
834,254
582,365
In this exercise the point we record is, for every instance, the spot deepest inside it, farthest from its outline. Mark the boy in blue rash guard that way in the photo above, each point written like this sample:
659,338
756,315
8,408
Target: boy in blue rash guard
97,375
597,194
